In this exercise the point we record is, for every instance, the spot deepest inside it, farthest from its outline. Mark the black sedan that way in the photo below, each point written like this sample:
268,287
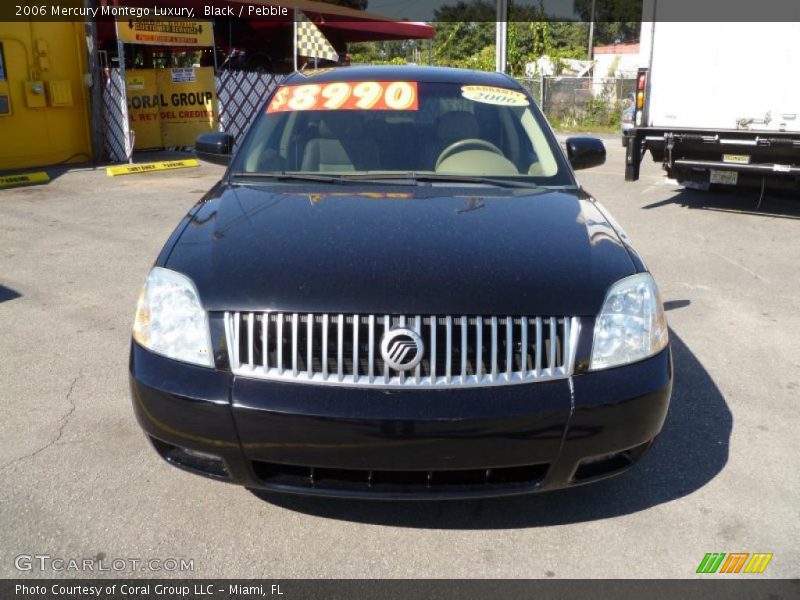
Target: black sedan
399,290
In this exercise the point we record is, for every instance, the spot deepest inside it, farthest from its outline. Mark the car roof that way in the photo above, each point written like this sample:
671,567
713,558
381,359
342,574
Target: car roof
404,73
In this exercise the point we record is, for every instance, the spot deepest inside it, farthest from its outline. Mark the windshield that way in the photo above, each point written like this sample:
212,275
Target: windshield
403,128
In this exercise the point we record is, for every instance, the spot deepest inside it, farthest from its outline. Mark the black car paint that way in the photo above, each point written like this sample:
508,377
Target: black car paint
437,251
424,249
244,421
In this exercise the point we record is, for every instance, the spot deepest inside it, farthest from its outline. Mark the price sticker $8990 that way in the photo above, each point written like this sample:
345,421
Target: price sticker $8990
346,95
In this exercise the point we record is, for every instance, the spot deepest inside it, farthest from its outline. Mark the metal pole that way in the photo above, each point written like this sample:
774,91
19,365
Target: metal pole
544,95
591,33
501,36
124,95
294,38
216,109
214,47
90,29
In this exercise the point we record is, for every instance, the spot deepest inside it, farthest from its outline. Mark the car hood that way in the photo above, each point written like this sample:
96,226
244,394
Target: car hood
403,250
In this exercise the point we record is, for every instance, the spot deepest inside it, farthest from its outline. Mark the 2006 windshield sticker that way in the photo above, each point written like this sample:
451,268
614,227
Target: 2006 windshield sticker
347,95
494,95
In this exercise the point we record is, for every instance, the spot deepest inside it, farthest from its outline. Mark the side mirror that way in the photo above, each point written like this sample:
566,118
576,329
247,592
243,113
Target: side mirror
585,152
214,147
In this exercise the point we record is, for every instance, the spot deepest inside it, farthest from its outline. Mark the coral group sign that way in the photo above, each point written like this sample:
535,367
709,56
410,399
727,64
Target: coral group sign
169,108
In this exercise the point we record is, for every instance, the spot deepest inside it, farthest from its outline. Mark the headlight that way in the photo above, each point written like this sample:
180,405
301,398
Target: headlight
170,319
631,326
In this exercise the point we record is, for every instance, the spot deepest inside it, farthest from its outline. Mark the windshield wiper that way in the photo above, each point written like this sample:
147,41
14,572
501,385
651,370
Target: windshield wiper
441,177
284,176
410,178
317,178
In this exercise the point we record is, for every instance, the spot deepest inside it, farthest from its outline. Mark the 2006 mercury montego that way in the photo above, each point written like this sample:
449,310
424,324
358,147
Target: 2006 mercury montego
398,289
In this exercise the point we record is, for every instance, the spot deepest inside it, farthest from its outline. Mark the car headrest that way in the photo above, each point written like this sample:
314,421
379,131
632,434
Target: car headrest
457,125
341,125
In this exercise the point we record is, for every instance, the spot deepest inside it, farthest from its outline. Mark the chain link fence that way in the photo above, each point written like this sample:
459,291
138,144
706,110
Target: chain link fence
239,95
581,102
117,142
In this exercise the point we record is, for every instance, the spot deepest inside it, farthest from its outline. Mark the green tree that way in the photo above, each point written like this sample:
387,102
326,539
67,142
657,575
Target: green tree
615,20
465,34
395,52
459,40
569,39
357,4
472,10
608,11
465,29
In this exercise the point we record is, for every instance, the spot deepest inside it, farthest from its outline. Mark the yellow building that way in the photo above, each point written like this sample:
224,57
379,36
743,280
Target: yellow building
44,100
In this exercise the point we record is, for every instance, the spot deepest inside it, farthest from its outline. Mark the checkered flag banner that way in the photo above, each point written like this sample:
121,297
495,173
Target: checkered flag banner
311,42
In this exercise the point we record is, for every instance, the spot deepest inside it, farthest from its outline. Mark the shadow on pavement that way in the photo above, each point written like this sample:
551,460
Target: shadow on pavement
691,450
676,305
55,171
782,205
7,294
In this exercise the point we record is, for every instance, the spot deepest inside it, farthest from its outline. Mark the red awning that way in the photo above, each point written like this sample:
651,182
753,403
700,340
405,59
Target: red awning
364,31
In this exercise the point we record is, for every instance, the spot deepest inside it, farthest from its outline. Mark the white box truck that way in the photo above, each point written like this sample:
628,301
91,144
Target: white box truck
718,103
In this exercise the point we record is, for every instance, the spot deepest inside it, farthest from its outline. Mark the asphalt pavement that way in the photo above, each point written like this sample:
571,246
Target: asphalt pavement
79,480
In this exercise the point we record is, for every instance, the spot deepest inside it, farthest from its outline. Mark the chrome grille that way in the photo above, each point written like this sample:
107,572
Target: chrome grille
345,349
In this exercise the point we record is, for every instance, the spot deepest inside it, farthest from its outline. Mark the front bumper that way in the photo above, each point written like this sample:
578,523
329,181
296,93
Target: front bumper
400,444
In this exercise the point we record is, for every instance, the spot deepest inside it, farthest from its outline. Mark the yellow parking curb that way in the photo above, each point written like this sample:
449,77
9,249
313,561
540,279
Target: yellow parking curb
23,179
151,167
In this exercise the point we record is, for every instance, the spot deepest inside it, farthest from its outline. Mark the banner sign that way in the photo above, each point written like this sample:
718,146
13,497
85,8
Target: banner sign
183,75
494,95
170,107
165,33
